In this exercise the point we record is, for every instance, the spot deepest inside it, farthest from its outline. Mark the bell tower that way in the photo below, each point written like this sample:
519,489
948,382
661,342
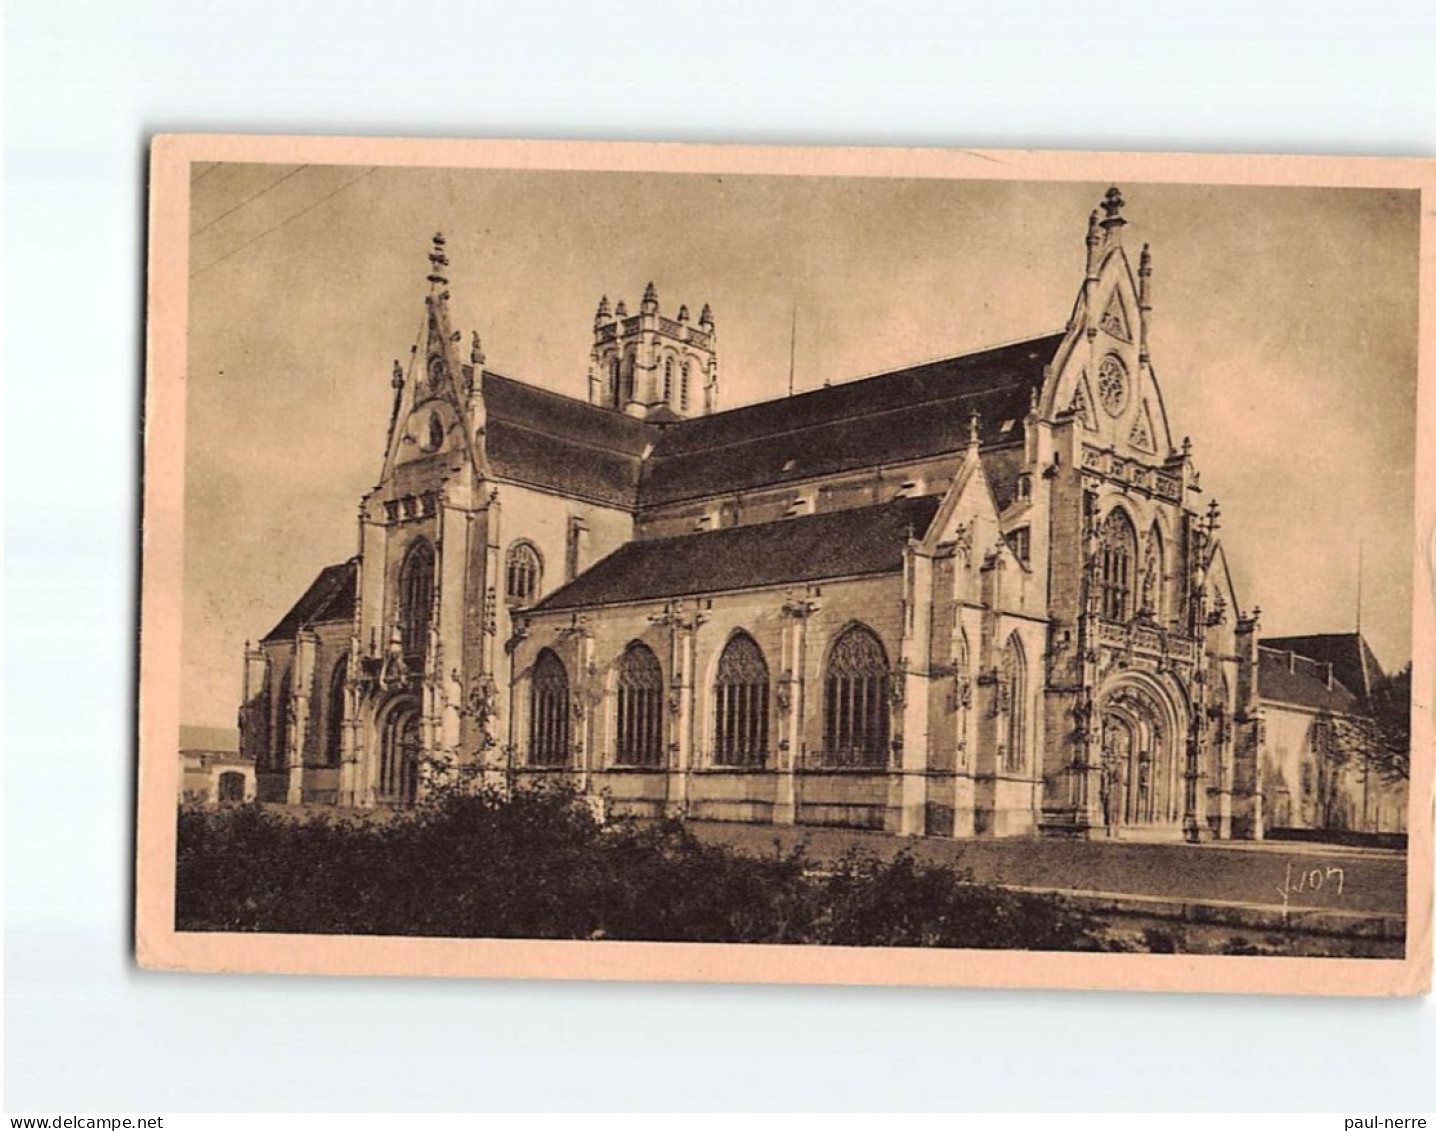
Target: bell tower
652,366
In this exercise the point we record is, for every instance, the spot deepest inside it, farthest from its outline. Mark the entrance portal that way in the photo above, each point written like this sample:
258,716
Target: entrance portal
399,757
1141,772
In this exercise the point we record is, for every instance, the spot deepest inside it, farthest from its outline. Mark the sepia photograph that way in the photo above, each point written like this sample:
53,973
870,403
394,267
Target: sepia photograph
914,566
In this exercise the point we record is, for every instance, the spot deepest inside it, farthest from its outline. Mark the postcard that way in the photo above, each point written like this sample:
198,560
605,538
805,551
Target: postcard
669,562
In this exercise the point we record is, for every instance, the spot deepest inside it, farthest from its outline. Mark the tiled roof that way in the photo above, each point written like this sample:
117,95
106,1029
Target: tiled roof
847,543
330,597
546,439
907,414
1350,657
1284,676
540,437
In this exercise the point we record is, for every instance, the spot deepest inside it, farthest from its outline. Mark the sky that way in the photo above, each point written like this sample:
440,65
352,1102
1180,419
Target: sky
1284,338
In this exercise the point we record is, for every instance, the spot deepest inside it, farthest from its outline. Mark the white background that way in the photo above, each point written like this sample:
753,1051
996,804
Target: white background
88,82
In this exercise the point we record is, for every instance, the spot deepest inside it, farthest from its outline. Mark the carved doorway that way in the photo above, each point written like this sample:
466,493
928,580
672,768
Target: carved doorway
399,751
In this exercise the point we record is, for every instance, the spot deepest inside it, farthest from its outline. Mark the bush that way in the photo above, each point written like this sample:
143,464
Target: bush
538,864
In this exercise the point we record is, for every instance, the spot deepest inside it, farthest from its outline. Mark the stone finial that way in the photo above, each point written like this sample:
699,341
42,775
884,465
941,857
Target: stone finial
476,350
1094,234
621,310
397,381
683,313
705,317
974,429
1145,269
603,314
438,260
1112,204
650,299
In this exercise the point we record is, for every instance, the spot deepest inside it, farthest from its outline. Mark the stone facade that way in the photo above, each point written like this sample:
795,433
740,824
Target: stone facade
983,596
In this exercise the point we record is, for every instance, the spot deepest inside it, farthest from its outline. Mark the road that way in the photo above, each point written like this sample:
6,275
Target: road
1369,881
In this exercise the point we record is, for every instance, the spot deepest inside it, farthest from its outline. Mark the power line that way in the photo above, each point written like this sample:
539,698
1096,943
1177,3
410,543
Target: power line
231,211
310,208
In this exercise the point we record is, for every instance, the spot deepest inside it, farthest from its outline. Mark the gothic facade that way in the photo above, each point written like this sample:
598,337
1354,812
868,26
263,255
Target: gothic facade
978,596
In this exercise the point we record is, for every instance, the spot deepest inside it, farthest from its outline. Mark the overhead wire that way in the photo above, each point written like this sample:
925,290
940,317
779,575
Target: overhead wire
288,219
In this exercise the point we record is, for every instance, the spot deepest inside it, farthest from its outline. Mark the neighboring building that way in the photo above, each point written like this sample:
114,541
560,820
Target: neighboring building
212,770
1313,691
981,595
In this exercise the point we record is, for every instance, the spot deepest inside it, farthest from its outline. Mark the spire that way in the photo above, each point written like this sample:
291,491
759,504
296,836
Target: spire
438,261
974,430
683,313
650,299
1144,298
621,310
705,319
476,351
1112,224
603,314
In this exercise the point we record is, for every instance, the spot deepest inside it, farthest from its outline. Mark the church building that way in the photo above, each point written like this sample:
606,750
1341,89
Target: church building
984,595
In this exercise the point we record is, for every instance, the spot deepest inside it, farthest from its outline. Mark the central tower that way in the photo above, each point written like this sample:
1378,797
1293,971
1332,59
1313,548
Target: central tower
650,366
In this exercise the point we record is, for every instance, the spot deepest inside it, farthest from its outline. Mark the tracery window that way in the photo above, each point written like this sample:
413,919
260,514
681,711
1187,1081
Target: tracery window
740,704
549,712
281,722
1014,695
613,384
639,737
523,573
416,600
625,389
1118,556
334,720
683,388
855,701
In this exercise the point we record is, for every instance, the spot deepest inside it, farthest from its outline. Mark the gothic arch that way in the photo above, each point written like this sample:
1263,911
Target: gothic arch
400,752
1016,696
742,693
549,709
1143,721
857,689
640,708
334,715
416,597
1117,563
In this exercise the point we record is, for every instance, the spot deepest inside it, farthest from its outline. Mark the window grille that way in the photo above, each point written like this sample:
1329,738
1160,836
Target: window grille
740,705
856,694
549,712
639,738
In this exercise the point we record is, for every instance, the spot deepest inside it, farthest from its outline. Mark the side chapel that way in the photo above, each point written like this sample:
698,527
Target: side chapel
979,596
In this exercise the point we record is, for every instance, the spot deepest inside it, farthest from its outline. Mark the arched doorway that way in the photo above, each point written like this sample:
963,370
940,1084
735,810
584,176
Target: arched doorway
1143,756
399,750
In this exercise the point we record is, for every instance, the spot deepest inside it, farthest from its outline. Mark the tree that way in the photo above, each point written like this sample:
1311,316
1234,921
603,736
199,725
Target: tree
1379,738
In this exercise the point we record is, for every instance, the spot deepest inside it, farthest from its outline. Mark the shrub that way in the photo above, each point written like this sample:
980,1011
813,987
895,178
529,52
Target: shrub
536,863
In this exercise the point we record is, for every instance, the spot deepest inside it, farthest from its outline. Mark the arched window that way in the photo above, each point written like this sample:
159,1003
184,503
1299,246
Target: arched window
625,388
1014,697
548,712
740,704
416,601
1154,569
523,574
281,723
683,389
613,387
639,738
1119,552
334,719
855,701
668,381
